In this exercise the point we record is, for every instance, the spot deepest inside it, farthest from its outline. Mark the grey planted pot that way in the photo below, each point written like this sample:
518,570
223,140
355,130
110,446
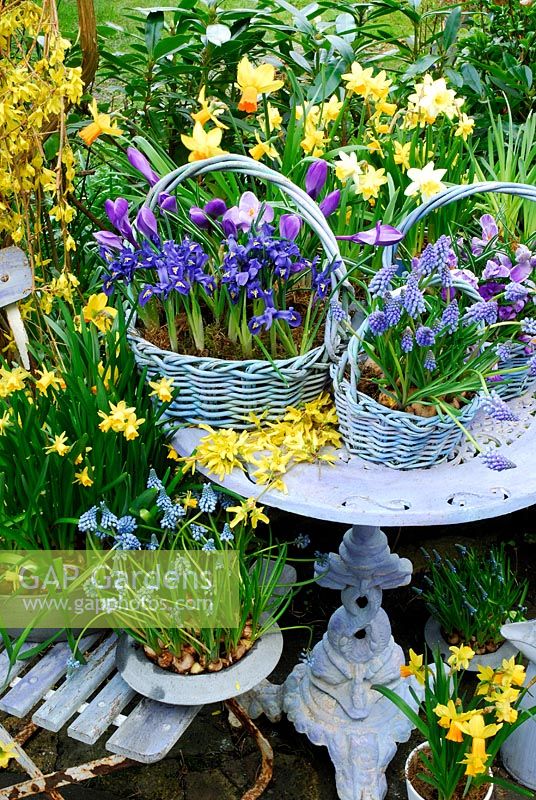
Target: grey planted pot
152,681
434,639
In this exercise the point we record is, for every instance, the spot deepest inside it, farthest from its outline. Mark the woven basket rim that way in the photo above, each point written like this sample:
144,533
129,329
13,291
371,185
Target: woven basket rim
318,350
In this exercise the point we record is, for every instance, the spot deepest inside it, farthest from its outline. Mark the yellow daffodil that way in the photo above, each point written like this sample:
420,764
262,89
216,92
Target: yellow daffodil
331,109
275,119
262,149
5,422
188,501
83,478
314,141
510,673
383,107
504,711
254,81
358,80
101,124
475,765
202,143
172,453
311,114
163,389
12,380
248,512
209,112
486,678
370,183
449,717
415,668
432,97
465,127
121,419
49,379
130,429
460,658
426,181
401,156
477,729
506,694
99,312
347,166
59,445
7,752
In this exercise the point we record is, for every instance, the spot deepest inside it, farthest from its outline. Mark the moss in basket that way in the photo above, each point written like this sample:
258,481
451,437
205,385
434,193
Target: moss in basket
427,340
185,524
473,596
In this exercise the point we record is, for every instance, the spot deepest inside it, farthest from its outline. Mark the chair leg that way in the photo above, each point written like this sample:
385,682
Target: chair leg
267,754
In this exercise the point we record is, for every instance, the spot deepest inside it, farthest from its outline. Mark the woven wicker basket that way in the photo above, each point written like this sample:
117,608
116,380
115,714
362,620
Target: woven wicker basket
518,382
222,393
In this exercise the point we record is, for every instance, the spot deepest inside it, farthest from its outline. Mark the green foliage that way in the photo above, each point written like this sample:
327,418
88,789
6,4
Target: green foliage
474,595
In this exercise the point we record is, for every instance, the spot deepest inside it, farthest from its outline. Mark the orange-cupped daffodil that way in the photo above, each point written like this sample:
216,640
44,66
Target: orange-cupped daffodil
102,123
254,81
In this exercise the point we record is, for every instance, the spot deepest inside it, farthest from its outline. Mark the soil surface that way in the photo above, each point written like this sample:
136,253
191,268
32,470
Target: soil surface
428,792
216,762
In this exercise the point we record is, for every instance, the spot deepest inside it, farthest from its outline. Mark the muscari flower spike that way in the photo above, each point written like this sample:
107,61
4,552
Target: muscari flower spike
127,541
497,461
88,520
406,342
495,407
208,500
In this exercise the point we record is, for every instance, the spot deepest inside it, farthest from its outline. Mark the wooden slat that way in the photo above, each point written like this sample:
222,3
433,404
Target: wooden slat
102,711
151,730
57,710
20,700
18,666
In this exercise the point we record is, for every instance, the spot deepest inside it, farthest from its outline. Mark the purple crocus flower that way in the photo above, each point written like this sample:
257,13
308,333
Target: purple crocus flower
495,269
167,202
289,226
215,208
147,225
140,163
198,217
380,235
248,211
330,203
108,240
489,231
489,290
117,213
315,178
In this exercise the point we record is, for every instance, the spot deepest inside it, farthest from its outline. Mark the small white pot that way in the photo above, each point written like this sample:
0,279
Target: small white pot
413,794
434,639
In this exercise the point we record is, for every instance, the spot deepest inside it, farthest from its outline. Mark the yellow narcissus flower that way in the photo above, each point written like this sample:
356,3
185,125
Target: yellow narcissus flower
347,166
415,667
203,144
370,183
130,429
262,149
274,118
475,765
358,80
449,716
477,729
401,155
465,127
163,389
7,752
510,673
172,453
433,97
188,501
83,478
248,511
314,141
486,680
49,378
12,380
209,111
5,422
504,711
254,81
59,445
426,181
99,312
331,109
101,124
460,658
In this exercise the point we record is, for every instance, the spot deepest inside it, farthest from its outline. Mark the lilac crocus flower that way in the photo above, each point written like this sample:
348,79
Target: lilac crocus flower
289,226
315,178
117,213
249,211
330,203
489,231
199,218
108,240
215,208
380,235
140,163
167,202
495,269
525,263
147,225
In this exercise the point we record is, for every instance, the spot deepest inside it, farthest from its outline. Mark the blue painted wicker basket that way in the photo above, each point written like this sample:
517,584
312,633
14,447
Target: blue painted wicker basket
220,392
518,381
396,438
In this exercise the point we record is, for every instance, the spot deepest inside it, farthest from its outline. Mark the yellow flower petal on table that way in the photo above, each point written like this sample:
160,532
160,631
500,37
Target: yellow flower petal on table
460,658
203,144
255,81
83,477
59,445
163,389
101,124
426,181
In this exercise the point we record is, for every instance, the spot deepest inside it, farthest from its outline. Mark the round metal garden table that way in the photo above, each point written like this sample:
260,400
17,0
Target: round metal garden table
329,696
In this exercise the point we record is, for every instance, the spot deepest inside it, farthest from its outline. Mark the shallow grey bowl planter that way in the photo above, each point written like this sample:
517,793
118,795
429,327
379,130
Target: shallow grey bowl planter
192,690
434,638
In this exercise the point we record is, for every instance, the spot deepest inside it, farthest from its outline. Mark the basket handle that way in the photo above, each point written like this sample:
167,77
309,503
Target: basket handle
306,207
351,355
452,195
